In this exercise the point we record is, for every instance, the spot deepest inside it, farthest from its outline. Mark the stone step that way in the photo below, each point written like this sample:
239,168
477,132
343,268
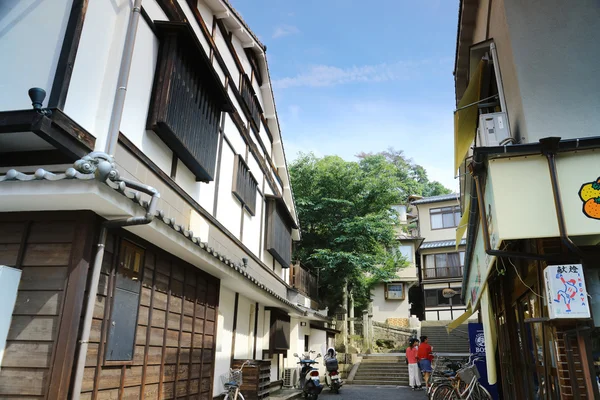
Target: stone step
383,377
375,366
379,382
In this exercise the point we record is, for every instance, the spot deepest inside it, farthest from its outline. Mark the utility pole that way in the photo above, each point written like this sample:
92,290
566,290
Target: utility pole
351,313
345,321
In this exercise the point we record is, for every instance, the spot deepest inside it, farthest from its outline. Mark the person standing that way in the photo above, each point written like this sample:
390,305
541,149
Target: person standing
425,356
414,375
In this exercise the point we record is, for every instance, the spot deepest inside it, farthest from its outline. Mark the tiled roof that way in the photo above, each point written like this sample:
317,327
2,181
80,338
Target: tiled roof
136,197
435,199
441,243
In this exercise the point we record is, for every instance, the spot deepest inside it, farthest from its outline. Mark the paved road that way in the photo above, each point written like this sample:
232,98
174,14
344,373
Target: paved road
355,392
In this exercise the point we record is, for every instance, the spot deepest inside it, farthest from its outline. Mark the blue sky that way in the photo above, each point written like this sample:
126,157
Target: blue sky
352,76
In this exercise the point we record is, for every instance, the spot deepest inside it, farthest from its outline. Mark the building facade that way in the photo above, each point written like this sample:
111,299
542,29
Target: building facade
441,260
526,146
150,233
390,301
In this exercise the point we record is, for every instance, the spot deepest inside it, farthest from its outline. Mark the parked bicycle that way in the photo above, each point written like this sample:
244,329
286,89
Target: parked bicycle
443,370
232,381
464,386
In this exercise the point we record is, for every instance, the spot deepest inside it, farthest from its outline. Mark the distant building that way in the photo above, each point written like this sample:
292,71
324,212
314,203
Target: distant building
440,259
390,300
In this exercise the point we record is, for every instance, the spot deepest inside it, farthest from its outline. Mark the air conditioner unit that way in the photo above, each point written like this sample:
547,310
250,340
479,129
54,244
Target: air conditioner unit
290,377
493,130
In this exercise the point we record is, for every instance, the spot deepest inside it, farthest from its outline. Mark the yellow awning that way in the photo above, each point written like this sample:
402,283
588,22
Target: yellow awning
462,225
460,320
489,332
465,119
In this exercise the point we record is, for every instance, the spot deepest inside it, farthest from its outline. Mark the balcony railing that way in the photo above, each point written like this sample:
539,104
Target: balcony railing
303,281
251,101
441,273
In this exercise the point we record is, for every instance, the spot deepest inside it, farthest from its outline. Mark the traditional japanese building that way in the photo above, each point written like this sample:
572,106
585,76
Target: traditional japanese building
146,213
526,148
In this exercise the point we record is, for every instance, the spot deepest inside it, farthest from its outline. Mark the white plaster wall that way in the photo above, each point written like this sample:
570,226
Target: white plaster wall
241,54
137,102
187,180
234,136
243,332
267,258
207,196
219,71
255,168
296,346
154,11
265,139
227,57
224,332
237,105
266,324
206,13
259,95
93,82
229,210
252,233
199,226
318,343
31,38
432,235
384,308
555,48
268,190
195,26
260,332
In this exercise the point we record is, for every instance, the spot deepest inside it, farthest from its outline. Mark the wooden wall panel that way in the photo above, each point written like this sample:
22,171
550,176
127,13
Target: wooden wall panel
48,248
174,340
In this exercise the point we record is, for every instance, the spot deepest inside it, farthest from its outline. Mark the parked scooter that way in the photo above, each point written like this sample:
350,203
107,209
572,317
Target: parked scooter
309,376
332,376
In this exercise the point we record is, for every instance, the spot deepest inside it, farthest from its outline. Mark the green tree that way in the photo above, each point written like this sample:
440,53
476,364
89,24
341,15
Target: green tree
348,226
348,229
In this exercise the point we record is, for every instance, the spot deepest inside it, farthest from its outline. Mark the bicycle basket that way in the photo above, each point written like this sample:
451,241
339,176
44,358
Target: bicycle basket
232,378
468,373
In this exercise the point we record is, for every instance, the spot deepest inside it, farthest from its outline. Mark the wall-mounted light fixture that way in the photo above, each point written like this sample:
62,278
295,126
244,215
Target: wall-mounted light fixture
37,96
302,323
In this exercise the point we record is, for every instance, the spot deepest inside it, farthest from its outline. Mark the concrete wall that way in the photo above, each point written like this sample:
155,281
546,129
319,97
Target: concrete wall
425,231
555,49
384,308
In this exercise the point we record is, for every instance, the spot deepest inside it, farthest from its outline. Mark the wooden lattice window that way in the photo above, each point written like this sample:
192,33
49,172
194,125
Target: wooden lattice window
244,184
187,99
279,223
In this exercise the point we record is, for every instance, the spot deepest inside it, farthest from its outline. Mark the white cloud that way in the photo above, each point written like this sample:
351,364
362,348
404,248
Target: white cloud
285,30
326,75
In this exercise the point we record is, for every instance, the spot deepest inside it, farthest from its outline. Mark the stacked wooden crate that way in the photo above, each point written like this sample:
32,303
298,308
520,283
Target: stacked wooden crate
255,379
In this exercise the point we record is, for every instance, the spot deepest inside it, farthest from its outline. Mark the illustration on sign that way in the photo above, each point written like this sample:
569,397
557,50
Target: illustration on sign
590,195
566,293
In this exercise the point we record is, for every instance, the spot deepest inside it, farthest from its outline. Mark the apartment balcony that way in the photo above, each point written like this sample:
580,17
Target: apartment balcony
443,273
303,281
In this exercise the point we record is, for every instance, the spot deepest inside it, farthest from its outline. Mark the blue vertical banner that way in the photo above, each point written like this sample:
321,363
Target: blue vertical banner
477,347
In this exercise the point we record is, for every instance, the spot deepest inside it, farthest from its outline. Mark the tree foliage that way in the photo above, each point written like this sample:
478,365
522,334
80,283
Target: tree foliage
348,226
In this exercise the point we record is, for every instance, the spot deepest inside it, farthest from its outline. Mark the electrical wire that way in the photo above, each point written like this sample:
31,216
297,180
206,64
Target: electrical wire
521,279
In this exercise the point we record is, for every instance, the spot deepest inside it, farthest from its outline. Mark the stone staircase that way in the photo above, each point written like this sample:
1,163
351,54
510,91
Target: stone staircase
443,342
381,370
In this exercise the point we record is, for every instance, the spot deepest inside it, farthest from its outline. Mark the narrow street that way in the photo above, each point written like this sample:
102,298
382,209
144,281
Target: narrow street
355,392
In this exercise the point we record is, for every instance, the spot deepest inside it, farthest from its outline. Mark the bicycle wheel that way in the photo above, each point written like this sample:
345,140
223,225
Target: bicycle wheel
480,393
444,391
239,396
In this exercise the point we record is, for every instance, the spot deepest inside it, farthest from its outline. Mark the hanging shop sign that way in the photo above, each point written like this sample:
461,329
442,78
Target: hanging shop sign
566,292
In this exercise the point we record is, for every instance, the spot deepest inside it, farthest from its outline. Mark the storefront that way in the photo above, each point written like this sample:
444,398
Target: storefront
515,235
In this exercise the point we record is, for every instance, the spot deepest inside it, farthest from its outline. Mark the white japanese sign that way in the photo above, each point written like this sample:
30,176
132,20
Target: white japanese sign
565,292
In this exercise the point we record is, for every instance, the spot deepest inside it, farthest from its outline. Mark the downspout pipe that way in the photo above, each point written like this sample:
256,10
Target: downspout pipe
121,92
103,173
549,147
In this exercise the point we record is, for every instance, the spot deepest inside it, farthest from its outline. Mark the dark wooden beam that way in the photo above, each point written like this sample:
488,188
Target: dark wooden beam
234,329
173,10
41,157
68,52
57,129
